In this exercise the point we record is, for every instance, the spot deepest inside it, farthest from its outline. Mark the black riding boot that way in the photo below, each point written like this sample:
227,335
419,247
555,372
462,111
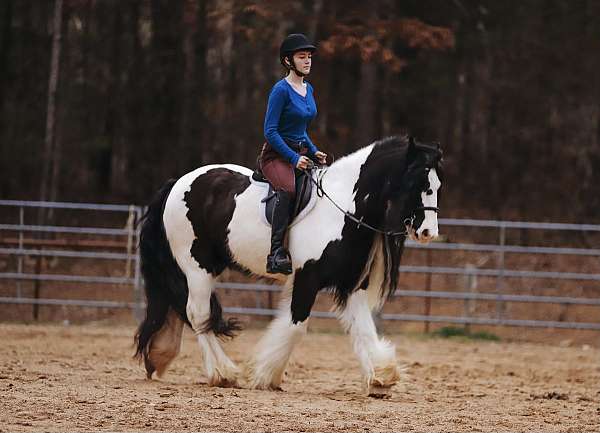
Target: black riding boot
278,261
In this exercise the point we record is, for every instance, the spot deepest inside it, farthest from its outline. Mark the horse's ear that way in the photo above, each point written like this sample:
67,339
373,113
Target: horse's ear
412,147
411,143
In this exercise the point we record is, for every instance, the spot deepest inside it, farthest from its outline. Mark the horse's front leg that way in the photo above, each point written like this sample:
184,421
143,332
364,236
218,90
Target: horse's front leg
377,356
266,369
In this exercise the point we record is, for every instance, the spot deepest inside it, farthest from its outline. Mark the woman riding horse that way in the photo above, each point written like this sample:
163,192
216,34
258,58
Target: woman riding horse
290,109
351,242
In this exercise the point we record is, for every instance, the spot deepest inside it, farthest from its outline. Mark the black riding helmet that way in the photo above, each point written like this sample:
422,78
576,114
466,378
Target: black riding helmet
291,44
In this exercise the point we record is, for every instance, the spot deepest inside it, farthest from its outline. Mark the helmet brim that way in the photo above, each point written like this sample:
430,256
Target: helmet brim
307,47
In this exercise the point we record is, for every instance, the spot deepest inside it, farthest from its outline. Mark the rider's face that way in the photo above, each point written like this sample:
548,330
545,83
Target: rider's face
303,61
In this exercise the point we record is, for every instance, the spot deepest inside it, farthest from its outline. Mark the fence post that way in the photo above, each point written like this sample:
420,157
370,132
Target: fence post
471,286
20,259
428,288
37,287
130,236
500,305
138,298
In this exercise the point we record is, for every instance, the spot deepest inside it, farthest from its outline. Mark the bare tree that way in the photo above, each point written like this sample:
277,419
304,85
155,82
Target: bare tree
190,27
49,142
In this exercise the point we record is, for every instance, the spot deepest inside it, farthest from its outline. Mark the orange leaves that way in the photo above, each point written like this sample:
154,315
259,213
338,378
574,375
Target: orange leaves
418,34
368,48
389,58
260,10
373,40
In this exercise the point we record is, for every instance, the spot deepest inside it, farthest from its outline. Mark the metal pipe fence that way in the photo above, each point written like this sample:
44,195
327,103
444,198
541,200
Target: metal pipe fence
129,258
131,280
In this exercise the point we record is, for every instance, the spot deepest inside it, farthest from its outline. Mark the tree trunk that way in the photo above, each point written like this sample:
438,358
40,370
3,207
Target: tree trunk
364,132
219,55
61,112
190,26
51,110
314,22
6,20
365,104
86,53
201,113
458,109
166,65
118,150
136,133
587,133
5,44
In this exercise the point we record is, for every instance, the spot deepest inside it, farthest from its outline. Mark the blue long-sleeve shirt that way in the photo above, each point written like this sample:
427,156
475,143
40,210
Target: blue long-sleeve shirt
288,116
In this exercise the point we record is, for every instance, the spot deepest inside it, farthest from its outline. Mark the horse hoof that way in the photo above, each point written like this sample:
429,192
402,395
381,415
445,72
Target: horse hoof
381,392
264,386
223,382
225,379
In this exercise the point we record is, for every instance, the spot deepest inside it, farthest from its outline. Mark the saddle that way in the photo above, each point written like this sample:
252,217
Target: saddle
304,194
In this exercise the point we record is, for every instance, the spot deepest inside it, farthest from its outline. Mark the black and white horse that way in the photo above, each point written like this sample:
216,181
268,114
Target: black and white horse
209,220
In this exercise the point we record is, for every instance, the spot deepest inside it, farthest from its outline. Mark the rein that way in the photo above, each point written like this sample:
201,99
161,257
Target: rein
359,222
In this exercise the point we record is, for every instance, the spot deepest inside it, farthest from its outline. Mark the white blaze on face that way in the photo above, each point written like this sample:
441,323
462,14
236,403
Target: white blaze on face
429,228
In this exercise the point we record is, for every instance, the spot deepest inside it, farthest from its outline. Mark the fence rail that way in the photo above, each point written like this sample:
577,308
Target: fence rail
508,249
61,253
58,229
464,222
68,205
71,302
129,257
67,278
511,273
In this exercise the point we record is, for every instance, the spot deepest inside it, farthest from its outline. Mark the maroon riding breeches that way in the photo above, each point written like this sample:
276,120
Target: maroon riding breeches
280,173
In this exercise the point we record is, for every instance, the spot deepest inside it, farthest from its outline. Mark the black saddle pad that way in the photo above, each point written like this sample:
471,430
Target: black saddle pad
304,186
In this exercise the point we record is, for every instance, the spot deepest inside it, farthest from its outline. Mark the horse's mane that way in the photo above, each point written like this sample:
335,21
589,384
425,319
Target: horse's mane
390,159
391,149
394,141
392,152
396,147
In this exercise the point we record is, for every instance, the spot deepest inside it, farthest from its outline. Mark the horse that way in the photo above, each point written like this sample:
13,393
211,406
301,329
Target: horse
351,242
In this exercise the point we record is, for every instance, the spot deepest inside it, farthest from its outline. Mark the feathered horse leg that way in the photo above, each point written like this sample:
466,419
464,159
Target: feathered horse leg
377,356
266,369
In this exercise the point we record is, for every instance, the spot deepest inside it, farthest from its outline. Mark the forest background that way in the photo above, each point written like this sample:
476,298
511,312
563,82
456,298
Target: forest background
127,93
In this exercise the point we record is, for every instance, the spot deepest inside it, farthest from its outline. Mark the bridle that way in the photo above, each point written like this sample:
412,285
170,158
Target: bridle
408,222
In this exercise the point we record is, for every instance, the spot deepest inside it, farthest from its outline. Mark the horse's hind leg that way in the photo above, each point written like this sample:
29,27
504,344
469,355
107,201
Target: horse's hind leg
165,345
219,369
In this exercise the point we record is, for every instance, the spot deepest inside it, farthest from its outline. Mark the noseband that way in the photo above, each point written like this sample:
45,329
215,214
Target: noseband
409,221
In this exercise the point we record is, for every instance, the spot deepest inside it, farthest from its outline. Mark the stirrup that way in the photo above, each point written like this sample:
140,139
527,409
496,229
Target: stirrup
279,266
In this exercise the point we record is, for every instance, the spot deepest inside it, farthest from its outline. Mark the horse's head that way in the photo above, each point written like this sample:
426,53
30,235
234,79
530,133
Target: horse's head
413,194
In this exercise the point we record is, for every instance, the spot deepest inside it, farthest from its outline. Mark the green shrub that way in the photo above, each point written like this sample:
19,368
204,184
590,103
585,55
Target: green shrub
454,331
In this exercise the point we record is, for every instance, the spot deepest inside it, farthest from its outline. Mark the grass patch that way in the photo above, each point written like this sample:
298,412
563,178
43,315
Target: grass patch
453,331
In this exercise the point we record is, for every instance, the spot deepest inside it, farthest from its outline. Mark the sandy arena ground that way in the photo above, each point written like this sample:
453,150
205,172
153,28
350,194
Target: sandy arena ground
82,378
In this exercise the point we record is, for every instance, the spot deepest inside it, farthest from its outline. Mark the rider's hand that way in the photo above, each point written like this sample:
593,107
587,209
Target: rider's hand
321,157
303,163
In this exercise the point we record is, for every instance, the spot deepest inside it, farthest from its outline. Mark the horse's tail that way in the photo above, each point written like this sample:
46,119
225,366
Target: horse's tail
165,283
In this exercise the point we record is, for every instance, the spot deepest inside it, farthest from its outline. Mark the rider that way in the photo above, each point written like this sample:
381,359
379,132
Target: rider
290,109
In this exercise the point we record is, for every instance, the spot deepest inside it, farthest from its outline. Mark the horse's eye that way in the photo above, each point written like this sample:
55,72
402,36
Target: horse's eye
429,191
